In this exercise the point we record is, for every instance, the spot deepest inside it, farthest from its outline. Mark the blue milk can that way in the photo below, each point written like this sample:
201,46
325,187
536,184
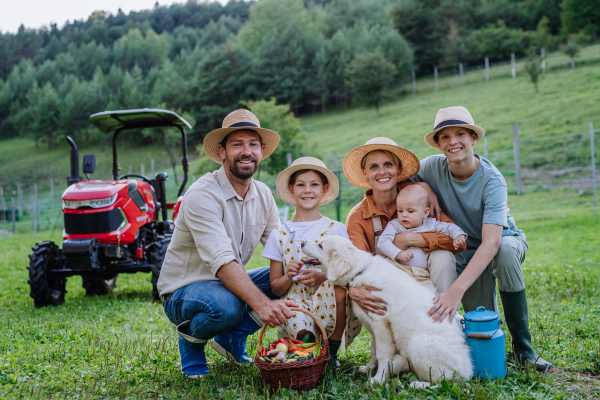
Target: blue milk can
486,340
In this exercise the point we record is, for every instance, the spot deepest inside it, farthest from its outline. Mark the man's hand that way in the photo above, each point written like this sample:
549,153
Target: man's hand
276,312
292,268
312,279
366,300
404,256
445,304
460,241
405,240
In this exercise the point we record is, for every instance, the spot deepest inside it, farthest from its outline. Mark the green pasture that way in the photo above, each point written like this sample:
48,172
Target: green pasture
122,345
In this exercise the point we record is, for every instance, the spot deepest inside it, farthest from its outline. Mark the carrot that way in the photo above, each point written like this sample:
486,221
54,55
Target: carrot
293,348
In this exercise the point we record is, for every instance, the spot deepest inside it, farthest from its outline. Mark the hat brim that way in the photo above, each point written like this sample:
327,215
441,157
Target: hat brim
477,129
211,141
353,171
283,179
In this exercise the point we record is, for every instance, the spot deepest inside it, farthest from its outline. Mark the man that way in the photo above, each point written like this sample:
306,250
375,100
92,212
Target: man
223,216
473,193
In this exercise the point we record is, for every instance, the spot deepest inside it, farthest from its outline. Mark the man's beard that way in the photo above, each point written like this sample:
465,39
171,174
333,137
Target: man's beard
246,173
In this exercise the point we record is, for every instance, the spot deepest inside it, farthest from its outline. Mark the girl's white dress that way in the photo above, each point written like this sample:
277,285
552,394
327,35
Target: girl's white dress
285,245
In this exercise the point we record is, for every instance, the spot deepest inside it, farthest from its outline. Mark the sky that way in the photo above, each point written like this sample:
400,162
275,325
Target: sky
36,13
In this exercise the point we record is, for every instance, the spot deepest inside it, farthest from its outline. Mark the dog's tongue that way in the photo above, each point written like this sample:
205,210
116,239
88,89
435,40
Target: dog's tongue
312,261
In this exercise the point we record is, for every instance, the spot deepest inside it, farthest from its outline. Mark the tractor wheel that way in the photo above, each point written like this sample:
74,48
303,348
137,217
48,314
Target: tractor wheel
156,258
95,286
47,289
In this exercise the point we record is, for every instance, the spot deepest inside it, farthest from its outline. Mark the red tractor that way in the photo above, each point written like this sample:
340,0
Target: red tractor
110,227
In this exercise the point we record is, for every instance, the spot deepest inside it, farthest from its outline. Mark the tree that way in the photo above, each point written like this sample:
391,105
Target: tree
369,75
279,118
580,15
571,49
47,112
533,68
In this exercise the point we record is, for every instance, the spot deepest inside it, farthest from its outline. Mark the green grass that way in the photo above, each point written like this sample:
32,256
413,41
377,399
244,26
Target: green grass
122,345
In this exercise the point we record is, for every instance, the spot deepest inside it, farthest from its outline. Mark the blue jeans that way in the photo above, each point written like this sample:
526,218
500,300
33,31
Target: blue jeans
211,307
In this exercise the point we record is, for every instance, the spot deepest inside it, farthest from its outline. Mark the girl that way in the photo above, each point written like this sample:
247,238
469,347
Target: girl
307,184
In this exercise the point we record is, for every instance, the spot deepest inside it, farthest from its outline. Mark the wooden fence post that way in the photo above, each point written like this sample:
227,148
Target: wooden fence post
512,64
3,205
543,55
593,168
32,211
485,150
517,159
130,170
414,81
460,69
13,214
37,211
487,69
152,167
289,159
337,173
142,170
435,78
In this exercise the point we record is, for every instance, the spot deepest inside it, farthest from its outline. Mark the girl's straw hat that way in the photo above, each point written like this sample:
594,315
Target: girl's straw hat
283,179
453,116
352,169
236,120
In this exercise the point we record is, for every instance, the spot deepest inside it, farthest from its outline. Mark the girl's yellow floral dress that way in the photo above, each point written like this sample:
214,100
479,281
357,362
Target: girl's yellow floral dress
319,301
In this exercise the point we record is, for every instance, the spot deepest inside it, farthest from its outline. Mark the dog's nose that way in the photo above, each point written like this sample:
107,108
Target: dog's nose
302,245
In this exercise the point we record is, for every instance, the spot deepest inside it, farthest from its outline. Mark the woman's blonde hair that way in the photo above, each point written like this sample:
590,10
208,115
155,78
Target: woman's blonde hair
394,158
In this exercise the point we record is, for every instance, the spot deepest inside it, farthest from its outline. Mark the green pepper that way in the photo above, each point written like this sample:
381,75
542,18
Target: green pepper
305,345
317,350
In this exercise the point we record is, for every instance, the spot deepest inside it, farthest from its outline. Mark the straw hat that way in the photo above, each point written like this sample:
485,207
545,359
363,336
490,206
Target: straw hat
453,116
353,171
283,179
236,120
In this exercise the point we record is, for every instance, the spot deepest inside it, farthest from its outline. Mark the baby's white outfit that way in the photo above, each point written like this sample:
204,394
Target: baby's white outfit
419,260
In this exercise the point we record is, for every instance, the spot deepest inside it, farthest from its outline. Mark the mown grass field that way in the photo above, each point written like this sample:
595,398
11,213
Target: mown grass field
122,346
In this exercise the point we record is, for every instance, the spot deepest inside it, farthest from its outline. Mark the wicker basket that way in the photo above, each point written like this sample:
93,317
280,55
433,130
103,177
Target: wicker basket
299,375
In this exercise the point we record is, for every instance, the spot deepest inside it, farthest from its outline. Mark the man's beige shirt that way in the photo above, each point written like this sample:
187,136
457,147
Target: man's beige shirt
214,227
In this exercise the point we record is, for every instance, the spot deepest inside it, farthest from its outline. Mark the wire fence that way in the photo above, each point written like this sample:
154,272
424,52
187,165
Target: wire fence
487,71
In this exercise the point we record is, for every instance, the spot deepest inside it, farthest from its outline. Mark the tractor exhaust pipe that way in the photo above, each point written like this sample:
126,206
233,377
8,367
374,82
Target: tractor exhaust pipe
74,178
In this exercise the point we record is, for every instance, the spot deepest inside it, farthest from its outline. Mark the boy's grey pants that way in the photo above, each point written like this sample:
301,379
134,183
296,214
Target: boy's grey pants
505,266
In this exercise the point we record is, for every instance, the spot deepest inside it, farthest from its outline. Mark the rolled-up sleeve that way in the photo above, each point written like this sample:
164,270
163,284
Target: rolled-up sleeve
204,217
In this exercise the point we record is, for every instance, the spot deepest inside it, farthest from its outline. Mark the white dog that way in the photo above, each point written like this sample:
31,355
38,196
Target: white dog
405,338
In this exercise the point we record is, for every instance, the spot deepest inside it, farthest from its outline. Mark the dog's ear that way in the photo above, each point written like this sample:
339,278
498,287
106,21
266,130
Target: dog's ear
339,266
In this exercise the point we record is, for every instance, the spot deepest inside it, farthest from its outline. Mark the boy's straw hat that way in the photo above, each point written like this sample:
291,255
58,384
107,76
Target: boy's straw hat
236,120
453,116
352,169
283,179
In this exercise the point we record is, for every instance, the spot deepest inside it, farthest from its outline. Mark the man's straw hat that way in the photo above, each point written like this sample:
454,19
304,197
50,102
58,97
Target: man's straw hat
352,169
283,179
236,120
453,116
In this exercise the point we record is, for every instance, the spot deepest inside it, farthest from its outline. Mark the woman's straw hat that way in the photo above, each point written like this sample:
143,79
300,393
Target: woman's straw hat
453,116
352,162
283,179
236,120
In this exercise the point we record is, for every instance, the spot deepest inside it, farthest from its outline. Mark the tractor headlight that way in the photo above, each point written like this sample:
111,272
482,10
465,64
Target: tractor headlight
96,203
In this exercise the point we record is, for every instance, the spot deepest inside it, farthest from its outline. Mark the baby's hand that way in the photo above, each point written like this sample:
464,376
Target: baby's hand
292,268
459,241
404,256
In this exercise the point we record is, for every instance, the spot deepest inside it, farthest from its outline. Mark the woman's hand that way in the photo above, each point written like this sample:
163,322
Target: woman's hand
434,206
445,304
312,279
292,268
366,300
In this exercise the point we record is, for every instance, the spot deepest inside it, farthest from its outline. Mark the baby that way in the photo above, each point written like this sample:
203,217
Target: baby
413,210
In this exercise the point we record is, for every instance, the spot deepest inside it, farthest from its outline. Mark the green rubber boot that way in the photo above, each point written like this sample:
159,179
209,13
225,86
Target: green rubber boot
517,320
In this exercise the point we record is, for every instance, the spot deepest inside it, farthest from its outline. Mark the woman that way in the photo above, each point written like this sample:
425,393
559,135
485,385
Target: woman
383,167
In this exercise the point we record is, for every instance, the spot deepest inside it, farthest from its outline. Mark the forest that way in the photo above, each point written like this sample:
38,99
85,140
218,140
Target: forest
205,59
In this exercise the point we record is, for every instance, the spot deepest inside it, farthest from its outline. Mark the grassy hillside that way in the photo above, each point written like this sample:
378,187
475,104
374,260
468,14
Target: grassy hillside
567,100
